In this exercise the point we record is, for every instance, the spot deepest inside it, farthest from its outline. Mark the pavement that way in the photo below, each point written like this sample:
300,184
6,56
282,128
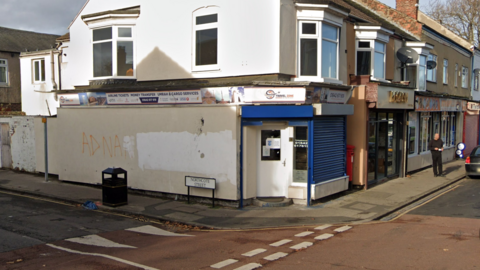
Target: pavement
348,207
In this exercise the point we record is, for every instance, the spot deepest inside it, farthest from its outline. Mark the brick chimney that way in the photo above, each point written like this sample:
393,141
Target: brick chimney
408,7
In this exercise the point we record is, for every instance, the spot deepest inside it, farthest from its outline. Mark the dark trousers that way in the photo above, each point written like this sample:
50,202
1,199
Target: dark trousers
437,162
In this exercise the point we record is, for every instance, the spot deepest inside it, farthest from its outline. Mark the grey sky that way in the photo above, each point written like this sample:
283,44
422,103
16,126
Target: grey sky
43,16
54,16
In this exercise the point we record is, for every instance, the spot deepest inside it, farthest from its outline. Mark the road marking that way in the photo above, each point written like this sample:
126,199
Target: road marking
324,236
343,229
254,252
276,256
303,234
104,256
149,229
223,264
281,243
249,266
302,245
323,227
95,240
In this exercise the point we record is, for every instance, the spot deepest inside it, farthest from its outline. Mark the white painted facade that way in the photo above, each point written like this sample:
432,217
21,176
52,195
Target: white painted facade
476,76
36,94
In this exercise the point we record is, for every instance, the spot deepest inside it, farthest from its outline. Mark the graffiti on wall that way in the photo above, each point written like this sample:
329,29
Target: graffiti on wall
108,146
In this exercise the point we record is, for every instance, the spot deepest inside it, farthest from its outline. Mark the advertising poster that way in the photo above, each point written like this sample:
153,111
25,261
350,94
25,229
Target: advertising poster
69,100
275,95
223,95
155,98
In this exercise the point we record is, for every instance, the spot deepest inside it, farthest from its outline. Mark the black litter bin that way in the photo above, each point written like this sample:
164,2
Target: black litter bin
114,188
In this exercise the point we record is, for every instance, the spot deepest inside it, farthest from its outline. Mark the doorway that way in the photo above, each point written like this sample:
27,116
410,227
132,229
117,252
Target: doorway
274,160
384,151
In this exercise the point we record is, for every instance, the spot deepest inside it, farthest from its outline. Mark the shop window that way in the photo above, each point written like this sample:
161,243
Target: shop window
3,72
412,132
311,42
371,52
453,124
300,152
445,71
425,130
432,73
464,77
205,25
113,47
39,70
436,123
446,125
270,145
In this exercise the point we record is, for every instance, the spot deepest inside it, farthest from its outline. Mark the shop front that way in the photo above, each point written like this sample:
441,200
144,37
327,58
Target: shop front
433,115
470,127
379,154
295,151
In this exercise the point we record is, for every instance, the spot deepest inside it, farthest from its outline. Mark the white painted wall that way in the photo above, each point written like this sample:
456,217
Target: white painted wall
36,95
22,145
249,35
158,146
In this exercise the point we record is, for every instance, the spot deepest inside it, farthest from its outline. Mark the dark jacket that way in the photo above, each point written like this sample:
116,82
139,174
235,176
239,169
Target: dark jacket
435,144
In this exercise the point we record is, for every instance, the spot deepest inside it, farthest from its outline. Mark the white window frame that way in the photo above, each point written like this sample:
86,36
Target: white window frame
4,63
425,73
204,11
114,41
464,77
372,51
433,71
445,71
456,76
337,42
39,61
476,81
319,37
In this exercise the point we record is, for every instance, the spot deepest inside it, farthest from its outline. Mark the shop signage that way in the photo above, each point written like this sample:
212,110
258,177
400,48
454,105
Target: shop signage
472,106
326,95
273,143
275,95
164,97
397,97
394,98
434,104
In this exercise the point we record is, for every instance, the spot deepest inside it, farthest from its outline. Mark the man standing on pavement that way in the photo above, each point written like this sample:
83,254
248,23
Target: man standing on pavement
436,147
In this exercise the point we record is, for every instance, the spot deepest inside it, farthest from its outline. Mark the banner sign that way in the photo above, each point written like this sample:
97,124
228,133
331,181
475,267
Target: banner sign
210,96
200,182
326,95
434,104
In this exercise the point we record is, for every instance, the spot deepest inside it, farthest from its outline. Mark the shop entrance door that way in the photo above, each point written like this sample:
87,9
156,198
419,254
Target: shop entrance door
275,159
384,154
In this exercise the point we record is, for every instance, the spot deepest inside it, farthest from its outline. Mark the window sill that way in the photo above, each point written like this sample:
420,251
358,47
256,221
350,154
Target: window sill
205,71
318,79
295,184
431,81
112,78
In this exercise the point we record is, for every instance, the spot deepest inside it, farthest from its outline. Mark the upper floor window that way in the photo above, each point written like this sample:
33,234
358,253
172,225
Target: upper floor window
364,58
464,77
39,70
475,82
113,50
456,75
311,42
205,25
432,73
422,71
445,71
3,72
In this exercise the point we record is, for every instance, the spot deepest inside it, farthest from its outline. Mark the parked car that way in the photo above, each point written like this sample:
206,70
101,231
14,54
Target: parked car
472,163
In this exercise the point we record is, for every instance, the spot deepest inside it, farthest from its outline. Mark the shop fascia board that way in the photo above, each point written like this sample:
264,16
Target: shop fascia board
322,109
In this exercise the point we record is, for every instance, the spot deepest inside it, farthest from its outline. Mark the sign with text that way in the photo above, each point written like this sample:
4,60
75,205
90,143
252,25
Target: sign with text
337,96
200,182
273,143
163,97
275,95
395,98
434,104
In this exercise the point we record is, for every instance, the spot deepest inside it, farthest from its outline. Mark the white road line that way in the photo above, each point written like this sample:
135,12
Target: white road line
249,266
303,234
254,252
324,236
104,256
276,256
281,243
323,227
302,245
149,229
342,229
223,264
95,240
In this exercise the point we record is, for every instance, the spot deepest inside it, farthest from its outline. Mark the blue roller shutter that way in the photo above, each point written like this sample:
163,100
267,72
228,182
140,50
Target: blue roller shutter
329,148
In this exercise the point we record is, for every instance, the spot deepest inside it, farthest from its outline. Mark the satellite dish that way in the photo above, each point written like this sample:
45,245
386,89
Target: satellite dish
407,55
431,64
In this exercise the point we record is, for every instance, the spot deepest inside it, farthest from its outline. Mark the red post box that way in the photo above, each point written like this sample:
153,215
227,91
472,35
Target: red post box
349,162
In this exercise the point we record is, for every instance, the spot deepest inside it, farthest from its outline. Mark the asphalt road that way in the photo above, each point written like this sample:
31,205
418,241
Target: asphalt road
442,234
463,202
